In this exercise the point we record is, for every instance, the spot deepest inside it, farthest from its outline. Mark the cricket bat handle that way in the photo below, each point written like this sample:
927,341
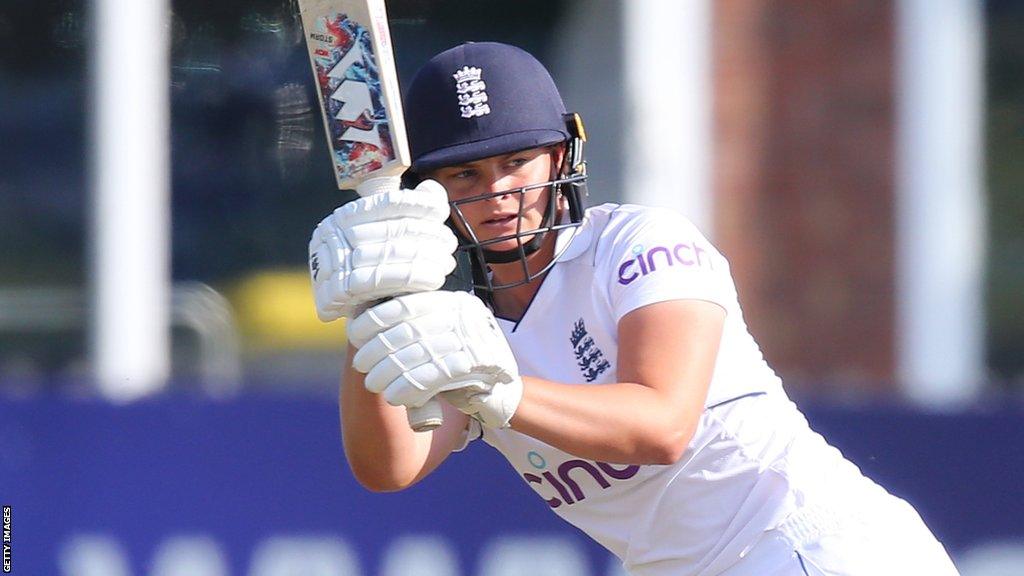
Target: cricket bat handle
426,417
429,416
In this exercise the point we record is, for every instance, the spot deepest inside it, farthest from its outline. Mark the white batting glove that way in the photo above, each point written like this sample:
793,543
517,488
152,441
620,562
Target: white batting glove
416,346
380,246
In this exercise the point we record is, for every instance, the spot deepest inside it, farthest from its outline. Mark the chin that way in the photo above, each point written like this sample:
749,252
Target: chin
507,245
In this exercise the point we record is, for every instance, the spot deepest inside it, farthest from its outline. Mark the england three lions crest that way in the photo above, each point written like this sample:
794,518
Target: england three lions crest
471,91
589,358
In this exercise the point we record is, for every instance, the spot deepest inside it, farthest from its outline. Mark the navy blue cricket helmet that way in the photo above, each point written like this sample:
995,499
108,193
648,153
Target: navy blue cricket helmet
483,99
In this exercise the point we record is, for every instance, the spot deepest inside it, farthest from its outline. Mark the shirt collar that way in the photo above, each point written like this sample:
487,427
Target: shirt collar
572,242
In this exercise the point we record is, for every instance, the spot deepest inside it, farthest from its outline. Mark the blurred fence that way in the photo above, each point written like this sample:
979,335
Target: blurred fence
257,486
195,308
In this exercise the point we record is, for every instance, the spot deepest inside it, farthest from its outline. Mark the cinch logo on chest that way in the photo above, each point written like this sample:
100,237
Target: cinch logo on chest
685,254
589,357
568,487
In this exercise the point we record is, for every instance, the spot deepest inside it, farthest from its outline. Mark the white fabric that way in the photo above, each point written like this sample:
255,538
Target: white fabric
418,345
492,407
380,246
753,464
772,555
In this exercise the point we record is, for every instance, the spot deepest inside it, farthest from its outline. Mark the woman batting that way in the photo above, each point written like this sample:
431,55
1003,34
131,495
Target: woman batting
604,352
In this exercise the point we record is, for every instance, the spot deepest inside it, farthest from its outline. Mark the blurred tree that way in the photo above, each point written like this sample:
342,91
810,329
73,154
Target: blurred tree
42,187
250,170
251,176
1005,183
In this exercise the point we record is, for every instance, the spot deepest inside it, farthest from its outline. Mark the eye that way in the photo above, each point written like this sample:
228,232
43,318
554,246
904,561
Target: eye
518,162
462,174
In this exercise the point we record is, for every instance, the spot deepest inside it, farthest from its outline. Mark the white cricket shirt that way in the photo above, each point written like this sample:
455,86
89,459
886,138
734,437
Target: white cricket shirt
752,460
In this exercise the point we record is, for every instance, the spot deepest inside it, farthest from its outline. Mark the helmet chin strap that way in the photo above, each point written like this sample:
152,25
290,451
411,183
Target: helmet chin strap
516,254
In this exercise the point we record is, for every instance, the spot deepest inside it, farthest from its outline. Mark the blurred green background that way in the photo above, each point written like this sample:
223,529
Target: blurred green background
250,175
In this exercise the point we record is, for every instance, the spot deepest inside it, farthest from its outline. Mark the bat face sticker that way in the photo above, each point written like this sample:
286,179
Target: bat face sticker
350,87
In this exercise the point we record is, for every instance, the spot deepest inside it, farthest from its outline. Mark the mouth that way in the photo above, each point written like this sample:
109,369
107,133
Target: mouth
500,220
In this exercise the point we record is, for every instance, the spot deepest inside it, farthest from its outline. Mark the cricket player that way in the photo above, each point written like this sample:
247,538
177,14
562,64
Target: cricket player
604,351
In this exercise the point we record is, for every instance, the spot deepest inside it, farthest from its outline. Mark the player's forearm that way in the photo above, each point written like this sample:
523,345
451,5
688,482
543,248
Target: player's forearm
604,423
384,454
382,451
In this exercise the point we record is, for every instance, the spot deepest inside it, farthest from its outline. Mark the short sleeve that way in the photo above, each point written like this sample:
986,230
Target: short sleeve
656,255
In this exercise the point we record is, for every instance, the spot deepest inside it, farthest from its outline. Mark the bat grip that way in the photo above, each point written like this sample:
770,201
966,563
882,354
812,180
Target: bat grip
426,417
378,185
429,416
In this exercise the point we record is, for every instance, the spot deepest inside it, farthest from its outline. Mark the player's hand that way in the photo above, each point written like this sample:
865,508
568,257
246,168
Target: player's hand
379,246
416,346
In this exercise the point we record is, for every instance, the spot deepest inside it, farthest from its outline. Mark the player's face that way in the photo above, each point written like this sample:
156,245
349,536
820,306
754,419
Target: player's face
501,179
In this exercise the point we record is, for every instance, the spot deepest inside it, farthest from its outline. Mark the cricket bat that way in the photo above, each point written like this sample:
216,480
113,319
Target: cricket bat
353,64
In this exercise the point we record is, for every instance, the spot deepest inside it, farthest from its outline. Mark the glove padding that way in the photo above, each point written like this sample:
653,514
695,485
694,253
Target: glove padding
416,346
379,246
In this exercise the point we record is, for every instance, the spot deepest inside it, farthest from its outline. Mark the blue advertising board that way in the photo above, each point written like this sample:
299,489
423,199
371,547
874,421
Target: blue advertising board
258,486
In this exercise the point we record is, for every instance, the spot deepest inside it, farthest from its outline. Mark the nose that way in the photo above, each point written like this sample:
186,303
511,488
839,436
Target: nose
499,181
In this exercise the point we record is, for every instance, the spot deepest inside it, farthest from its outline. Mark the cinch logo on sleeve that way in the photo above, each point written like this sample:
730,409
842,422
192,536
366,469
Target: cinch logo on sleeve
572,478
647,262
